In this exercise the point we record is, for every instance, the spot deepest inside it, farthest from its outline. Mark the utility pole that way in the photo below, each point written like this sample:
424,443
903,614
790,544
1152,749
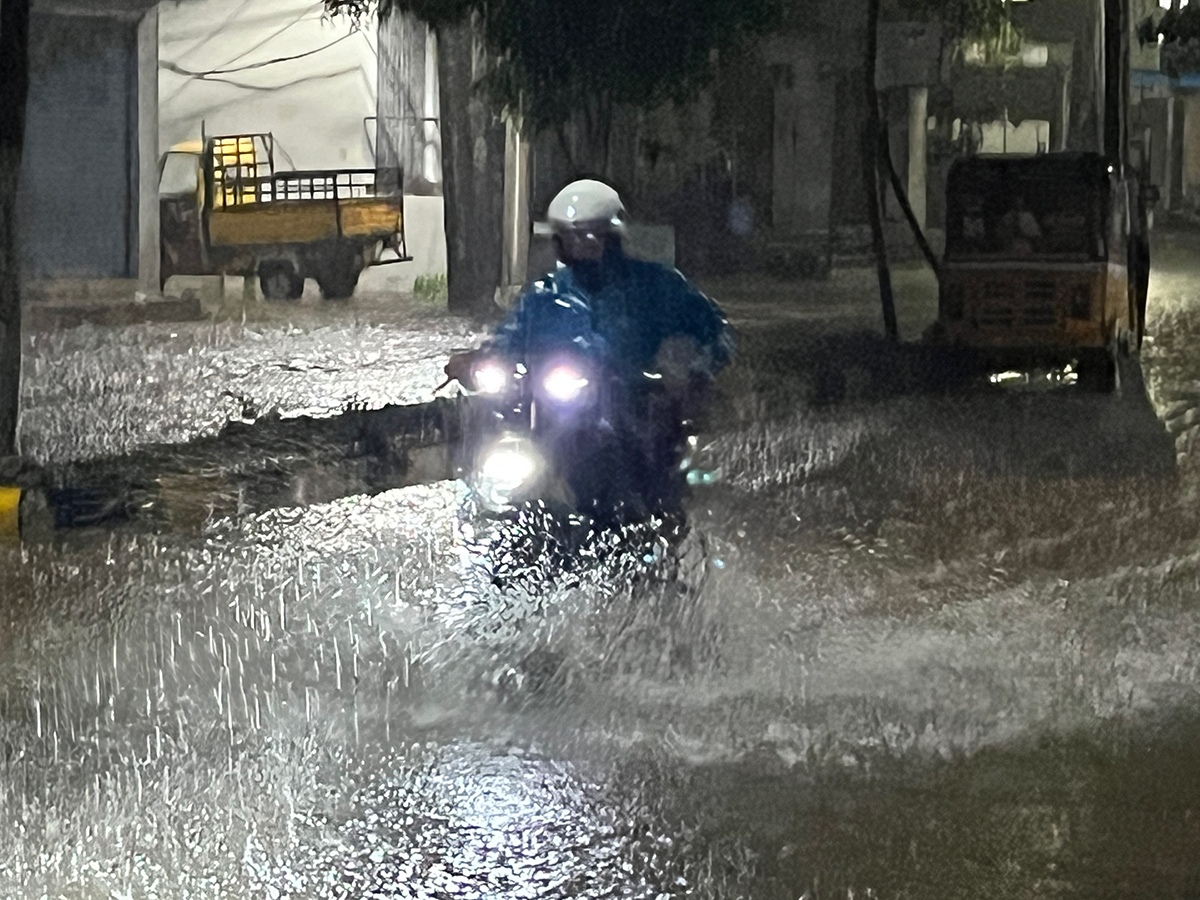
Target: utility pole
1116,80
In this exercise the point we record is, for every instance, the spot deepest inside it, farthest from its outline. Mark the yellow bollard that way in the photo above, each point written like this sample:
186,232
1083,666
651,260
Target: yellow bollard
10,512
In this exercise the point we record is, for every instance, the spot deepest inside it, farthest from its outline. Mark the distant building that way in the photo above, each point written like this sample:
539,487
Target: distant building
761,153
764,168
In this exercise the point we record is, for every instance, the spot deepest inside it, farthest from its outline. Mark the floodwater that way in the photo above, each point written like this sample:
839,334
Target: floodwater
913,643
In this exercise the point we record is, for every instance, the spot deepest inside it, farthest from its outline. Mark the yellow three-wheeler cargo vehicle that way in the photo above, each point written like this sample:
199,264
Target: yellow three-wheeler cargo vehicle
225,210
1047,261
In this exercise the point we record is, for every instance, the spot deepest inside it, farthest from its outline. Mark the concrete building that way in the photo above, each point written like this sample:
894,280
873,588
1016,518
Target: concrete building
763,162
1166,119
762,168
406,127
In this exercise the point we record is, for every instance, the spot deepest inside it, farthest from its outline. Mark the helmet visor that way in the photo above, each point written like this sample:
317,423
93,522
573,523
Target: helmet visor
582,243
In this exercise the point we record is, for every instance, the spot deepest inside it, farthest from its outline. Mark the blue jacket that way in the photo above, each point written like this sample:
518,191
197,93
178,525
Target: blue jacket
620,307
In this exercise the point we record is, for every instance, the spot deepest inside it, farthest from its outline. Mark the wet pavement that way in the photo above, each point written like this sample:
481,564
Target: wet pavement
915,642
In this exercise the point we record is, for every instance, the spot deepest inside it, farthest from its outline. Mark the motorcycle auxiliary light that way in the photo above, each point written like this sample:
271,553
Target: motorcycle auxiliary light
563,383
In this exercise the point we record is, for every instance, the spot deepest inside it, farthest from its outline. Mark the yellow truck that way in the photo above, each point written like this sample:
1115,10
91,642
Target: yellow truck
224,209
1047,259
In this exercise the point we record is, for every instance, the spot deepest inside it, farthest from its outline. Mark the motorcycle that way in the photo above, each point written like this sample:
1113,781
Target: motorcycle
565,430
576,474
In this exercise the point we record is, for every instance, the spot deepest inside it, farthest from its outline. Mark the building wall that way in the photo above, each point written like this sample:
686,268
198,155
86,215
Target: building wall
803,114
219,66
1080,23
407,105
408,135
771,148
1148,134
79,194
1190,176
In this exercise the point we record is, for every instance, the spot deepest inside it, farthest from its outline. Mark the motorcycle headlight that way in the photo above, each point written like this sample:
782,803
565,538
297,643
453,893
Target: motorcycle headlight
564,383
507,467
490,378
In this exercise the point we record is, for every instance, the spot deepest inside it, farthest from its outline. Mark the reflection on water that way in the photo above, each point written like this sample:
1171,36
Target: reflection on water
1035,379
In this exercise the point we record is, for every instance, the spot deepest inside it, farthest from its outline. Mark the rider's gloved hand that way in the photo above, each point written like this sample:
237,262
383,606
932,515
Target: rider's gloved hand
460,365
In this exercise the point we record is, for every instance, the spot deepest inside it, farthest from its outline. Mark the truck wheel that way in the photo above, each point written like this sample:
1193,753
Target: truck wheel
339,276
1100,370
1143,291
1139,284
279,281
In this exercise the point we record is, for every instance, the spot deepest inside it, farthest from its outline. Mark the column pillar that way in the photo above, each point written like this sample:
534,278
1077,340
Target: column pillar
147,131
431,144
1190,175
1168,185
516,207
918,117
1060,130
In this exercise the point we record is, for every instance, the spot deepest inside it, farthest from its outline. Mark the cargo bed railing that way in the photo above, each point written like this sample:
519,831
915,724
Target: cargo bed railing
342,184
243,173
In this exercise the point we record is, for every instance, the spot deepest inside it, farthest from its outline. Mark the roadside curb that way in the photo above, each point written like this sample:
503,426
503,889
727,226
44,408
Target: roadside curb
51,316
247,467
20,472
21,497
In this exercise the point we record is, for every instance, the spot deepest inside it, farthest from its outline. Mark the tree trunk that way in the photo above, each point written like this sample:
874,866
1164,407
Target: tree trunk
472,178
870,162
14,89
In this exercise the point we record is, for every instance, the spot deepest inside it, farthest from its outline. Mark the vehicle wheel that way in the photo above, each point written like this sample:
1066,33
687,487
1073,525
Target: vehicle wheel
1100,371
280,282
339,277
1130,380
1142,292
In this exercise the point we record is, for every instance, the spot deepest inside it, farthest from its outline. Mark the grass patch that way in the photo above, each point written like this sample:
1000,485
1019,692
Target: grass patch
431,289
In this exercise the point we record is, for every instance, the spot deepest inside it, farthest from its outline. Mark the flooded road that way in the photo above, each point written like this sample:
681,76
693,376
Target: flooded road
915,643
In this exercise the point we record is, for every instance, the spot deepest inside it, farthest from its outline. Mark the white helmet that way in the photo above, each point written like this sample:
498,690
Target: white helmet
586,204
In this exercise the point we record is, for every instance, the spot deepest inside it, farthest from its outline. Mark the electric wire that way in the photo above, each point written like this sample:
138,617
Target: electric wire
218,30
309,10
191,78
172,67
279,87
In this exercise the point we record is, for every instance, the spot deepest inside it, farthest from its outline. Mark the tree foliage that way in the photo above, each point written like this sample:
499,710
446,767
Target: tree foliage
563,56
551,61
967,20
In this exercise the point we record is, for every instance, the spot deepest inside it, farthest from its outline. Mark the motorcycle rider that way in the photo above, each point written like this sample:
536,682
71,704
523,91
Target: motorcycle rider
646,318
